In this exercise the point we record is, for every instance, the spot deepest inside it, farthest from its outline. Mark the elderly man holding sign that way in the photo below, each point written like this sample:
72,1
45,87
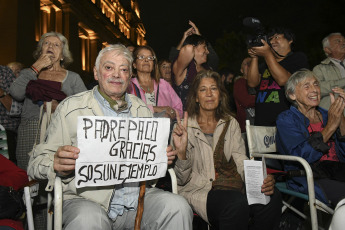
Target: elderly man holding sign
101,192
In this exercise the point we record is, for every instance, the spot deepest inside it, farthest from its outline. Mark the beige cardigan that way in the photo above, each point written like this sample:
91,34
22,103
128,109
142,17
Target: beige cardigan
63,131
195,175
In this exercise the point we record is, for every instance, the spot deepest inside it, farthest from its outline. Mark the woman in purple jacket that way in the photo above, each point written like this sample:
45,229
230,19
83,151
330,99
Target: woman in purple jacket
157,93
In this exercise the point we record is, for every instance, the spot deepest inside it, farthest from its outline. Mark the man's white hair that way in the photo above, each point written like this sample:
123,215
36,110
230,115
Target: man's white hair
325,41
119,50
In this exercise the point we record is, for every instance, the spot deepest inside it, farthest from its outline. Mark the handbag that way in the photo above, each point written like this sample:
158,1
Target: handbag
43,124
11,204
227,177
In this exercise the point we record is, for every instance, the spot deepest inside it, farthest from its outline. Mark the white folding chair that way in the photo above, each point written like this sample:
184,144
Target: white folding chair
261,142
30,191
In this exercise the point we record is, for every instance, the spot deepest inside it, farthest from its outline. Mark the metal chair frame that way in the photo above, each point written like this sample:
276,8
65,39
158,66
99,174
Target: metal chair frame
313,203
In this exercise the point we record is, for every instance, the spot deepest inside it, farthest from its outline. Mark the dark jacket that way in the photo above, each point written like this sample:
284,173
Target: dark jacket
294,139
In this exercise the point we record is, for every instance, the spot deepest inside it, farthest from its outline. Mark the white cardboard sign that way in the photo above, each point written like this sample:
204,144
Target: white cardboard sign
115,150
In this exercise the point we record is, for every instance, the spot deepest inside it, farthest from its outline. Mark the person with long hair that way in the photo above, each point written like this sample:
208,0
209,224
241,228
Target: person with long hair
209,168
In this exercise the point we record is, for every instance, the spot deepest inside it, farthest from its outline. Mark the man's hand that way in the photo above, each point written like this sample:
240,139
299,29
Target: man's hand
268,187
261,51
64,159
180,136
171,154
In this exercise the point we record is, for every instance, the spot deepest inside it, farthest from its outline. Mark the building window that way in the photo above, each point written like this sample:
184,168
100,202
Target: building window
88,41
51,19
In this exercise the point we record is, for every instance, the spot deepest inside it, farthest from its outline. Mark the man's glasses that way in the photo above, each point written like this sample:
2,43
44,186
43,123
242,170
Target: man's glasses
149,58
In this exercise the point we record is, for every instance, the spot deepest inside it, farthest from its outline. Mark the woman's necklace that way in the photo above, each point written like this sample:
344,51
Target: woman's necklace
147,87
317,114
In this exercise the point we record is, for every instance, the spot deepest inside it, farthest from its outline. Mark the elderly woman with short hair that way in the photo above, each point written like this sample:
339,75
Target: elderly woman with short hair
49,70
315,134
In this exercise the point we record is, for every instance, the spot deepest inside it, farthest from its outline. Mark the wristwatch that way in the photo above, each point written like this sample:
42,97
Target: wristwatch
2,96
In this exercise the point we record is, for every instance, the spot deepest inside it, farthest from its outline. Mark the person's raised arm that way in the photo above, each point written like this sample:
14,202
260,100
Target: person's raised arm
179,68
335,118
278,72
253,76
192,30
175,51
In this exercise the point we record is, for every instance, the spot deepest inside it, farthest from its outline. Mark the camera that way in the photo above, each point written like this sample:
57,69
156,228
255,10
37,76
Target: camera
254,40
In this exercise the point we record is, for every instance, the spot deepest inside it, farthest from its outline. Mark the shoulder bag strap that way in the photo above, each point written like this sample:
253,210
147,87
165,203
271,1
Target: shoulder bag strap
45,120
136,90
157,95
220,143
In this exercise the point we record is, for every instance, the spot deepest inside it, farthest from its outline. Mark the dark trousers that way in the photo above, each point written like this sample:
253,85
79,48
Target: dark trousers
227,209
330,176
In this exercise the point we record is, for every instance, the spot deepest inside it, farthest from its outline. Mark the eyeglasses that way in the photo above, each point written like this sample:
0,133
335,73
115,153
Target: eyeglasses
149,58
47,43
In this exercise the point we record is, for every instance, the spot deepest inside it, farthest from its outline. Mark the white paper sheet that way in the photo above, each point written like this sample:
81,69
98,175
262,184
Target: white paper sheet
255,172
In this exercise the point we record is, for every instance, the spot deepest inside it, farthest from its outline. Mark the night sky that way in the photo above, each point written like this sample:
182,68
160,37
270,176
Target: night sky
311,20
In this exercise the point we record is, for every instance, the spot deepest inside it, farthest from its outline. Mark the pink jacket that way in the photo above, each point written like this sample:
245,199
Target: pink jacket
167,95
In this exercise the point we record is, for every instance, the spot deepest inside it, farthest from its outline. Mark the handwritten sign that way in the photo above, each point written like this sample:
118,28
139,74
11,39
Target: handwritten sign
114,150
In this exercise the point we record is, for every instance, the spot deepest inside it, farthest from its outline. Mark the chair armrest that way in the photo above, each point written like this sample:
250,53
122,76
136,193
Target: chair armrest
58,204
173,180
28,205
309,175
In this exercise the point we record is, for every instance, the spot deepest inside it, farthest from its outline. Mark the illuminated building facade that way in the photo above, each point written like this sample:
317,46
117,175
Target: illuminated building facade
89,25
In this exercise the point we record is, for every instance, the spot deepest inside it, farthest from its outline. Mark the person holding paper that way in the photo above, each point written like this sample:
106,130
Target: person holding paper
209,167
315,134
103,207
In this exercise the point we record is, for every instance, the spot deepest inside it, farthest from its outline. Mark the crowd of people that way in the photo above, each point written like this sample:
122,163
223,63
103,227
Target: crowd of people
208,110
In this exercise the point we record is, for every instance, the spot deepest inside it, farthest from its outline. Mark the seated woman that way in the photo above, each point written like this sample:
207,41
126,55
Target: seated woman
315,134
209,167
157,93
